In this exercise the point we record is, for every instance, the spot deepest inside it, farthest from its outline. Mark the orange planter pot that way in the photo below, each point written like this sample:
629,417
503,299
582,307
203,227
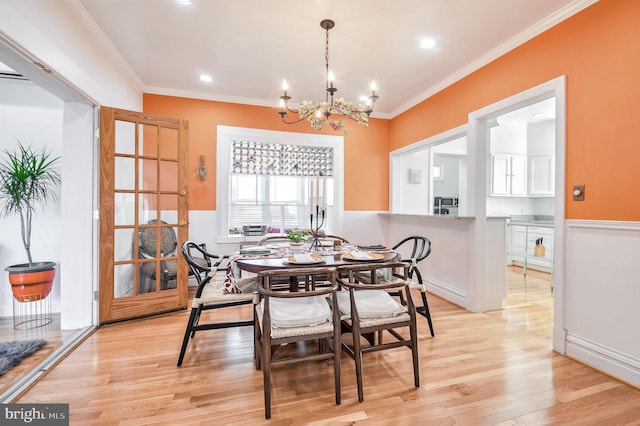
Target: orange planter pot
30,286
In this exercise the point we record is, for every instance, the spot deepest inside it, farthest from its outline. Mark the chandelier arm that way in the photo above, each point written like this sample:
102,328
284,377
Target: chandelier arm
302,118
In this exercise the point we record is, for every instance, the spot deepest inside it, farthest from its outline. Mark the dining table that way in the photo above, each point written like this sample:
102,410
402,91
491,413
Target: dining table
282,257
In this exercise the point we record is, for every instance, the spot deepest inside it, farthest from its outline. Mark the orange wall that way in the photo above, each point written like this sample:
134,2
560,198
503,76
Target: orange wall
366,149
598,50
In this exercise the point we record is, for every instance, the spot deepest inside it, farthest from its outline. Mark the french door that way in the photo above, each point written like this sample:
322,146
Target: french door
143,214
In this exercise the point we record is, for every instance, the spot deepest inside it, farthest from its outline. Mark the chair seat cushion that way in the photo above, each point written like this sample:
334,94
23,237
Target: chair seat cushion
213,293
370,304
298,311
383,277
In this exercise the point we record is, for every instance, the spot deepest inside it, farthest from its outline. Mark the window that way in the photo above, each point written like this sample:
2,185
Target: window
263,179
443,158
277,202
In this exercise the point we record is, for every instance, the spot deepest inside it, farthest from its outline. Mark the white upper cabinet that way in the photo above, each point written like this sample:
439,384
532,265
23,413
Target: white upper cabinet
541,174
509,175
522,160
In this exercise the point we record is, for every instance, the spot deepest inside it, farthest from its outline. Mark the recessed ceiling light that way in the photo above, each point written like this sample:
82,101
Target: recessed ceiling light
206,78
428,43
184,1
538,114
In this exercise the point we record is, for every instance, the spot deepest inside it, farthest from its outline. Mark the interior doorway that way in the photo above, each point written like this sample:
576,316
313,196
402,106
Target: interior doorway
46,113
522,152
496,171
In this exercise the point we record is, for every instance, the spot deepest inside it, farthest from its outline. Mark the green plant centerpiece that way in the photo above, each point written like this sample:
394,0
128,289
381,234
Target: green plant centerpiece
296,235
28,181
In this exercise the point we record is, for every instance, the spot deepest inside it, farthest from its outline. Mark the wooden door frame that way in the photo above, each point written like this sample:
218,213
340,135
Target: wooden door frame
116,309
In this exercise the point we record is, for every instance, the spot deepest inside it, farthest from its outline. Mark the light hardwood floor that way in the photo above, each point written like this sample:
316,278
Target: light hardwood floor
495,368
50,332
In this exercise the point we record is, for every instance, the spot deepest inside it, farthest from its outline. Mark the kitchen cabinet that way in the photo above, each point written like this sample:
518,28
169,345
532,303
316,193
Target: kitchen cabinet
541,172
508,174
522,240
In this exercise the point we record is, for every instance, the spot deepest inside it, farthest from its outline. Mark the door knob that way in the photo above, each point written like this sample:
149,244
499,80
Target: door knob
183,192
182,223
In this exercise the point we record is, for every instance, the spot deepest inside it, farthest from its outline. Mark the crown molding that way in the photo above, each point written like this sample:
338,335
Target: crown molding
119,60
526,35
155,90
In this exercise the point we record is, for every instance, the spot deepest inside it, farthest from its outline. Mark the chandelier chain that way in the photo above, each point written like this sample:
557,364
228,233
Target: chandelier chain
326,64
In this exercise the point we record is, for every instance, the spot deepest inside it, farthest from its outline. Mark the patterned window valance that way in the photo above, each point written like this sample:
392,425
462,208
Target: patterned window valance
258,158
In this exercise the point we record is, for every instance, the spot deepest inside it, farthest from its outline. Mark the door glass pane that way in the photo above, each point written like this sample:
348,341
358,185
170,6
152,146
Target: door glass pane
147,247
124,173
147,277
123,276
125,137
148,175
148,140
147,208
169,208
169,143
124,211
168,176
123,244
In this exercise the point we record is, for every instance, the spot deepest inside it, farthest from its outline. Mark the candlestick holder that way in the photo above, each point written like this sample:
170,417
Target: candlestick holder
315,228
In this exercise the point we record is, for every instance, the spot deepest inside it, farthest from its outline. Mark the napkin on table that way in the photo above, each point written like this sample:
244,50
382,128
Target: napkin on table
303,258
360,255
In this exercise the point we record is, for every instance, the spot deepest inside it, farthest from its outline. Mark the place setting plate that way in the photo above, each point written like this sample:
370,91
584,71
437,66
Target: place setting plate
363,256
375,247
276,246
311,259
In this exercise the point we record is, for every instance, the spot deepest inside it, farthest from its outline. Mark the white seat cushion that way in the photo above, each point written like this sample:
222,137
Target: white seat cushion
370,304
213,293
298,311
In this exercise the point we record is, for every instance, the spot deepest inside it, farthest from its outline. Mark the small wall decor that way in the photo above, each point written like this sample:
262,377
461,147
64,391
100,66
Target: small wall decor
201,171
415,176
438,172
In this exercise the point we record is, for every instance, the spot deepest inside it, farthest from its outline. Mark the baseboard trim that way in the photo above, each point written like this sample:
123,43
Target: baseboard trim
446,291
610,361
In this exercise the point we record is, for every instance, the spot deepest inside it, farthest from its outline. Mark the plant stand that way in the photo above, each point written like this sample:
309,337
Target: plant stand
29,315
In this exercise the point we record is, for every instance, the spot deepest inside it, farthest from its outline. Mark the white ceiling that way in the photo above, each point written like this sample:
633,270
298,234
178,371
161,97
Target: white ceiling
248,46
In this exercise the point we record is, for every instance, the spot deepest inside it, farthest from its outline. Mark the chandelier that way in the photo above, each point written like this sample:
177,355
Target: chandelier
321,113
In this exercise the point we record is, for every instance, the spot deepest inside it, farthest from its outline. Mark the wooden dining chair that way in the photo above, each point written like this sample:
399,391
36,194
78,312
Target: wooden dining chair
147,249
209,294
417,249
290,317
368,310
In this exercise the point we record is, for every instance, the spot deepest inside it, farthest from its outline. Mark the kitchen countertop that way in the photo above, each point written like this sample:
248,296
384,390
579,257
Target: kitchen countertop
440,216
532,220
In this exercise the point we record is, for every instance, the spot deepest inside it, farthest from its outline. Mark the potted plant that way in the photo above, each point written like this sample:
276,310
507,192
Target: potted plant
28,180
297,237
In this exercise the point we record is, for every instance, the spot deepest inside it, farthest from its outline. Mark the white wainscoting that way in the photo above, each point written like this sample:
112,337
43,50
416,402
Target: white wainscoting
602,296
